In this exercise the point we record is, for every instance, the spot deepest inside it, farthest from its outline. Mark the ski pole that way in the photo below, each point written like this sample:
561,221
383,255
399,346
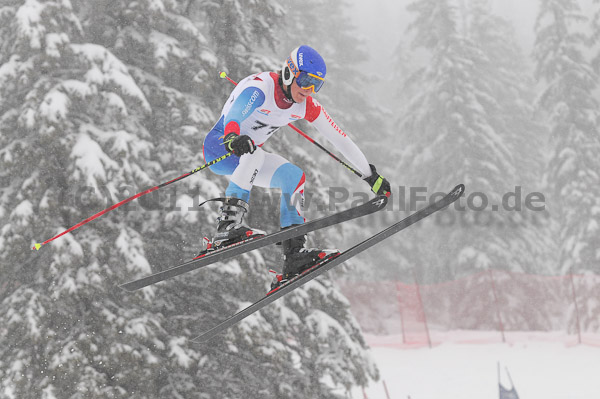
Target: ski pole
37,246
223,75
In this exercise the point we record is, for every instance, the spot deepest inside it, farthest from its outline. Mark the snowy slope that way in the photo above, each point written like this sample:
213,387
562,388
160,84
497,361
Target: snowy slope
539,370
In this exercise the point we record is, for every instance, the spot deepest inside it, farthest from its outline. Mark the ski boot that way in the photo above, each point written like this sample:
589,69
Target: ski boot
297,259
230,227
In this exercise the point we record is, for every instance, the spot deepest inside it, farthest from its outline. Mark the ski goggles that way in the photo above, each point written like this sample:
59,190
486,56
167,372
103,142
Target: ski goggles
308,80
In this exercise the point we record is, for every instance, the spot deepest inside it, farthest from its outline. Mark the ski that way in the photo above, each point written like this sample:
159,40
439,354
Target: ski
330,263
371,206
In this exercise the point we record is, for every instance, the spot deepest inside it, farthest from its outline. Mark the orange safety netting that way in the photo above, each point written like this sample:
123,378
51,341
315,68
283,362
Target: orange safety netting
490,306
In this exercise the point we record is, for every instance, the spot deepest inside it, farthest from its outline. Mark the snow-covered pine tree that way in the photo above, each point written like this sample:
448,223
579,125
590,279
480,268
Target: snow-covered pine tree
451,133
512,115
568,98
237,30
173,65
70,123
170,60
594,38
457,132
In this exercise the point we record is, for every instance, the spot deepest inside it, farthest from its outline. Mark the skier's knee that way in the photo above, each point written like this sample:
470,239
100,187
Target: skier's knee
288,178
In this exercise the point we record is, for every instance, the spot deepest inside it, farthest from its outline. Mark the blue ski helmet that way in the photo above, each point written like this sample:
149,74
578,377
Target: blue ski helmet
306,66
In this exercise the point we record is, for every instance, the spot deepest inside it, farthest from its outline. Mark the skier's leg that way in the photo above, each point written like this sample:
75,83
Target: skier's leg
241,172
278,172
230,228
244,175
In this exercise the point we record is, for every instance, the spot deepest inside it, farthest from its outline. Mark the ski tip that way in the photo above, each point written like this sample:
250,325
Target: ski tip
223,75
456,193
459,190
380,201
36,246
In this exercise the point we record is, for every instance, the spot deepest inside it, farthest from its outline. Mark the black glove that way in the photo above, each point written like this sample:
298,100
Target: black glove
379,184
239,145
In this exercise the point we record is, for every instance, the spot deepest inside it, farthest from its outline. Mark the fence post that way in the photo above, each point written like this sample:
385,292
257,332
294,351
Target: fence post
500,324
576,307
387,394
398,297
422,307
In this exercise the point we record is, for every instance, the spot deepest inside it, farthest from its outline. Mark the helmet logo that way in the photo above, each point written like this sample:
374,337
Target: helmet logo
293,68
301,59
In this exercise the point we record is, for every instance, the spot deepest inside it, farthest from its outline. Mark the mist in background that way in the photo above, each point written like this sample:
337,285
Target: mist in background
383,26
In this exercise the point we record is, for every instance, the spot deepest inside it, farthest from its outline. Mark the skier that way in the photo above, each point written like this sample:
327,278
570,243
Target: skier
258,106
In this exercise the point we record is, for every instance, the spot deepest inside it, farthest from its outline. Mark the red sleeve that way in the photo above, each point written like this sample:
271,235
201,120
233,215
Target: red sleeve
313,109
232,127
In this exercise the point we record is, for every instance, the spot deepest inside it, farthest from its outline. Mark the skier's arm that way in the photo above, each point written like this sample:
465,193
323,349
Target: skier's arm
321,120
249,99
